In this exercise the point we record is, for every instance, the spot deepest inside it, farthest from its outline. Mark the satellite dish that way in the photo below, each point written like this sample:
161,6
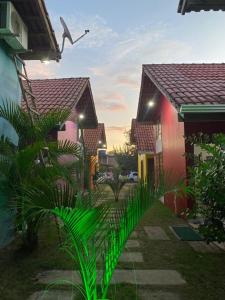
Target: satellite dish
67,34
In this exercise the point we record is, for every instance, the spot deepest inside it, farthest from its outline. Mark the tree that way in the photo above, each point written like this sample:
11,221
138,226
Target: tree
207,186
34,164
116,184
126,156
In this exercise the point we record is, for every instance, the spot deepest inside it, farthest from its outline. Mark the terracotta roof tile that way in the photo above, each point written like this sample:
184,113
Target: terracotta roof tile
142,135
189,83
57,93
92,138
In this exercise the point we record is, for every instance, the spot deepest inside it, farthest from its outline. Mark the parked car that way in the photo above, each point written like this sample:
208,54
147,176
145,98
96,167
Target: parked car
133,176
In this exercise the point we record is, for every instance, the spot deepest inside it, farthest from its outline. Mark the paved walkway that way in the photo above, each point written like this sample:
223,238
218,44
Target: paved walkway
136,277
152,283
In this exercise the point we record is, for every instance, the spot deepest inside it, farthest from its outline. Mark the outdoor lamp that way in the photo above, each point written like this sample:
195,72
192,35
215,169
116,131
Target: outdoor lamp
45,61
99,142
151,103
81,116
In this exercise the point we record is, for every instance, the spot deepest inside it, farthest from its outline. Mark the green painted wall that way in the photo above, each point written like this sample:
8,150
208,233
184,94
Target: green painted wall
9,90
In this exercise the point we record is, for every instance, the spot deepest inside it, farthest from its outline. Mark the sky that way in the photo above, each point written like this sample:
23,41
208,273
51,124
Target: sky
124,35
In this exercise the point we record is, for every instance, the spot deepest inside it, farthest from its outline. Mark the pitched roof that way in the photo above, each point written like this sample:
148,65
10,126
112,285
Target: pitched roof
64,93
92,138
143,136
189,83
198,5
41,37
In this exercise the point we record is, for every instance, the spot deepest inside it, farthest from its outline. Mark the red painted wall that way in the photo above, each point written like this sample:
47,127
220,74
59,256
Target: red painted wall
174,164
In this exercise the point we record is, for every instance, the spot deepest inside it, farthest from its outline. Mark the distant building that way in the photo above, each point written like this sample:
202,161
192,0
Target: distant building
147,139
95,143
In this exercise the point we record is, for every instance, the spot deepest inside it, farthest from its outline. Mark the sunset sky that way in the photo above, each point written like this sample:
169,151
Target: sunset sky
124,34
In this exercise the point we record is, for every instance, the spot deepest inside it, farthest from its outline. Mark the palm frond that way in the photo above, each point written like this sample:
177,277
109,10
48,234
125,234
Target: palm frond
6,146
50,121
56,149
19,119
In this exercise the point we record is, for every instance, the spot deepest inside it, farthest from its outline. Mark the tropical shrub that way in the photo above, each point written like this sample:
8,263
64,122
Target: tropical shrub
116,183
207,186
33,163
96,235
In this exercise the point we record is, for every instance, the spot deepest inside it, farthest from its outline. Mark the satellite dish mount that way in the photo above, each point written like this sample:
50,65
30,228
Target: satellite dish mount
66,34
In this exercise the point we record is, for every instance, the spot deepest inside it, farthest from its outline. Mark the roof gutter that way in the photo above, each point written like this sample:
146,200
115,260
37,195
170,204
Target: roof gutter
202,112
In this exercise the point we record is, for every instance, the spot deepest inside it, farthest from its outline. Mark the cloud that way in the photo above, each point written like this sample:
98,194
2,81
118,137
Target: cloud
38,70
110,106
116,128
126,80
100,33
115,136
110,101
116,107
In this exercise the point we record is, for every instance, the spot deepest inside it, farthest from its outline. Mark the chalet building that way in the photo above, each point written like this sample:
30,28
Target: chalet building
94,140
181,100
31,38
74,94
186,6
147,139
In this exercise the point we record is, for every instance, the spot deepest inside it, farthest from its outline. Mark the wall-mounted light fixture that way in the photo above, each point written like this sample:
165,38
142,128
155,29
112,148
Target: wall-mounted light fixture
45,61
151,103
81,117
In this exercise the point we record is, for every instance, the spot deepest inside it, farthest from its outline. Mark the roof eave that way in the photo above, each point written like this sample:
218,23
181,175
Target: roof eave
94,122
201,112
48,52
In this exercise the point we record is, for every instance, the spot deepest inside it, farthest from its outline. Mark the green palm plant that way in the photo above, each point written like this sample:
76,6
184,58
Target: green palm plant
115,183
94,236
24,165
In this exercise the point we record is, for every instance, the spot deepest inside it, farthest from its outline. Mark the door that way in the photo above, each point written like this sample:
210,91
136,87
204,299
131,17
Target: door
151,171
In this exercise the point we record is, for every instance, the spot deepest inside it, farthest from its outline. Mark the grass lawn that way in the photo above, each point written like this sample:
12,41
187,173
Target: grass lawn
204,273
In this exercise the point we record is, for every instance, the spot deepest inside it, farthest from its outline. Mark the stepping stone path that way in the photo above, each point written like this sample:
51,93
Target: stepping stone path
134,235
154,278
139,277
220,245
132,244
203,247
130,257
53,295
157,295
156,233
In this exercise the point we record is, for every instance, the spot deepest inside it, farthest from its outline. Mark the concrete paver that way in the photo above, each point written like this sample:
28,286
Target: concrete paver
203,247
131,257
53,295
139,277
156,233
157,295
133,235
132,244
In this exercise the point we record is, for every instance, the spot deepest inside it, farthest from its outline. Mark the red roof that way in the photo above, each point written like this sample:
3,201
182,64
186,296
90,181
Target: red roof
189,83
142,135
64,93
92,138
